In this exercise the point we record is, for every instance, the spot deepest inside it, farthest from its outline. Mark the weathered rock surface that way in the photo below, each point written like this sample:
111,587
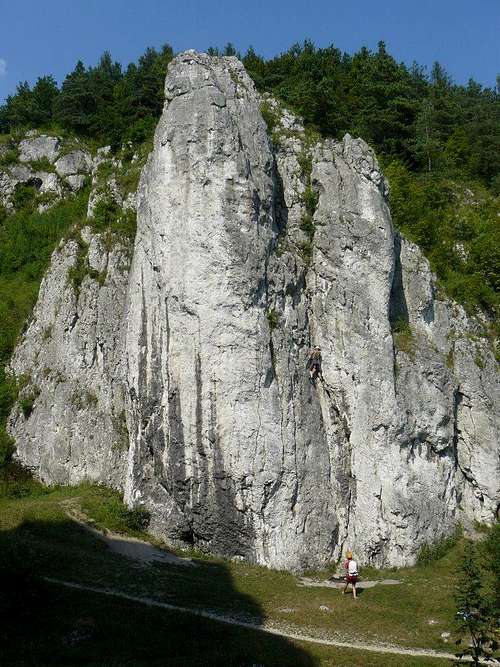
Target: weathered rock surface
204,344
71,362
68,176
37,148
76,162
75,182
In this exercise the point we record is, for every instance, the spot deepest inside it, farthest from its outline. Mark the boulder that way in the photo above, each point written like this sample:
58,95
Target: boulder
36,148
76,162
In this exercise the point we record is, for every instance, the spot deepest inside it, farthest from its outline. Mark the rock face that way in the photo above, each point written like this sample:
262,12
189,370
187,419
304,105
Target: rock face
71,362
38,148
75,162
69,174
247,253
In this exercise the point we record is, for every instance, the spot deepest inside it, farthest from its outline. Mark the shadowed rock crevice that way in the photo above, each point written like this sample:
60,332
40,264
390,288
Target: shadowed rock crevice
398,309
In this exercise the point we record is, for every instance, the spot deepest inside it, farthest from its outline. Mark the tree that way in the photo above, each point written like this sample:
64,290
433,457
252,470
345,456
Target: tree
229,50
474,611
44,96
427,144
76,104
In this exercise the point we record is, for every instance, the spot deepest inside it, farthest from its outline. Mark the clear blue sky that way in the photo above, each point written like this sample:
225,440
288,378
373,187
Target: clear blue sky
48,37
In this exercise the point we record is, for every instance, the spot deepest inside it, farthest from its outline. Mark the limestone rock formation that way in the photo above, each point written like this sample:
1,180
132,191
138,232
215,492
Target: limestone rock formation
56,182
248,251
70,363
75,162
39,147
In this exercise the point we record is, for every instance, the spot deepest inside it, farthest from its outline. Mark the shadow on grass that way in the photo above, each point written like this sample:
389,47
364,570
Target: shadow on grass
45,624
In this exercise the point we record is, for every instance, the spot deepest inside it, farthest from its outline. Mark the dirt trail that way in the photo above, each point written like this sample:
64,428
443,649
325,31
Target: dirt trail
264,627
130,547
340,583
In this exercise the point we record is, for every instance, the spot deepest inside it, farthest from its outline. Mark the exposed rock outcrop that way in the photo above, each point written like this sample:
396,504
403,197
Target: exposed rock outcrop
247,252
75,162
70,362
37,166
39,147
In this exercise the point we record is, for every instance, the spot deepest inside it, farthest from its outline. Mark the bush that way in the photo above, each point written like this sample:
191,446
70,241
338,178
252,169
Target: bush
310,199
8,158
491,547
307,226
273,319
270,116
43,164
24,197
137,518
477,615
6,446
403,337
106,508
27,402
116,224
437,550
16,481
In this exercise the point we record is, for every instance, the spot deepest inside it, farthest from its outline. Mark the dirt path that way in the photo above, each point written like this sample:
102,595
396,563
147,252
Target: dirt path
264,627
130,547
328,583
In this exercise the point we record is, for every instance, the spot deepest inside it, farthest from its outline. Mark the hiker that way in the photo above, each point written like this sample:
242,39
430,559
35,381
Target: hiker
351,573
314,363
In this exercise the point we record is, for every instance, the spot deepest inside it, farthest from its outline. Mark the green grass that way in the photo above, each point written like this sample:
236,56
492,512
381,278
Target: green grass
36,530
43,164
78,628
8,158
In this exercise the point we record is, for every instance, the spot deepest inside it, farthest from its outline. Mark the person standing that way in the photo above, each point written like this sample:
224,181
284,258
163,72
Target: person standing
351,573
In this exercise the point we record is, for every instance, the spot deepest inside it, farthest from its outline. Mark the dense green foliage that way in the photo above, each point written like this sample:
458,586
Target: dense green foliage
476,600
27,240
428,122
457,226
101,102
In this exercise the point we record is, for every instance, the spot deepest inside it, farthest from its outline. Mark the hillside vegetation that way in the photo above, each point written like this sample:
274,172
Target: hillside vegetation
439,142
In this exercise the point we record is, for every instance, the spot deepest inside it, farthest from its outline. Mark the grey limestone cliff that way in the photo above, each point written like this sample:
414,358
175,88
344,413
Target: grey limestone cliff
248,251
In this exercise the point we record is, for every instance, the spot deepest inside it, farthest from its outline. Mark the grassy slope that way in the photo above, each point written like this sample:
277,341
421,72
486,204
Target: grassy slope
36,533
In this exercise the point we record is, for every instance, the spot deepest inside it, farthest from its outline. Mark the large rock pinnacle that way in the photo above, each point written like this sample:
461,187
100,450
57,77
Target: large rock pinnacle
248,251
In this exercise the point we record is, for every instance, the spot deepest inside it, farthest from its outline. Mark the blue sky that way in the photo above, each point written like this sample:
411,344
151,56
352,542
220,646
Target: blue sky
38,38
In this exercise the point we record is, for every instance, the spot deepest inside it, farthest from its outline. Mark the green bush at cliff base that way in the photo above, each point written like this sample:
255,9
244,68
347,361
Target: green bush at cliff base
434,551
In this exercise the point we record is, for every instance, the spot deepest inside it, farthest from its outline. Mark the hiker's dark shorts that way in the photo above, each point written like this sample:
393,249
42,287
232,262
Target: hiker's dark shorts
351,579
315,365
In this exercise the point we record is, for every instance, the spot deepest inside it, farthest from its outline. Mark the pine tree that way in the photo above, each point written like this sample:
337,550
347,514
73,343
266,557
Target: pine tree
75,105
